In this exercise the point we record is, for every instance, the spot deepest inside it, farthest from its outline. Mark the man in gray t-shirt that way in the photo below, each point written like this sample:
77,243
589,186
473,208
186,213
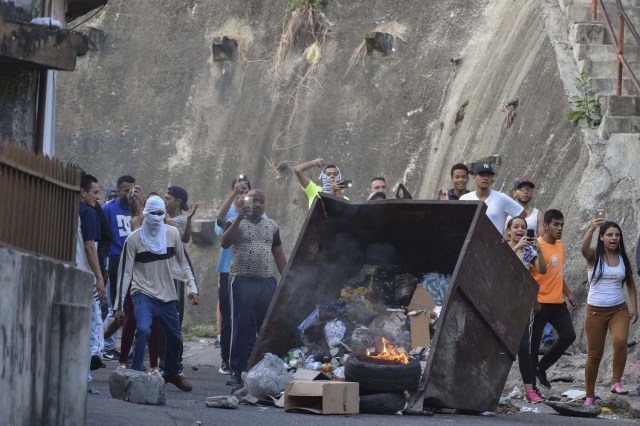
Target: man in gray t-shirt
255,241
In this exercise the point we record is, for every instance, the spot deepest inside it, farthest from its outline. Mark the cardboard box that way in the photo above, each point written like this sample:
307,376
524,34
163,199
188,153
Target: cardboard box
421,301
322,397
306,375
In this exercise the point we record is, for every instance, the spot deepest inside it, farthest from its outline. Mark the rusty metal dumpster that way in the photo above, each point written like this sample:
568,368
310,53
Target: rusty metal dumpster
485,311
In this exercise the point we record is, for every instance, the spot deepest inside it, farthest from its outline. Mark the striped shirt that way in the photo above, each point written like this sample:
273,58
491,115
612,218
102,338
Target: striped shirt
150,273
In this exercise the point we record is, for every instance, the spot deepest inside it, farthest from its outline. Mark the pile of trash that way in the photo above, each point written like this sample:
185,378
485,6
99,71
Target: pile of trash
378,303
374,303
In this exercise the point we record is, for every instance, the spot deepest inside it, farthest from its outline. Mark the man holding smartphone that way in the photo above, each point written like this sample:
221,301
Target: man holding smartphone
240,186
254,240
330,176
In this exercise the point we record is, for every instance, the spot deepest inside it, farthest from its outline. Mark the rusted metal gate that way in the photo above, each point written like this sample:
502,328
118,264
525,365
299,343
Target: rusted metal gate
39,205
485,311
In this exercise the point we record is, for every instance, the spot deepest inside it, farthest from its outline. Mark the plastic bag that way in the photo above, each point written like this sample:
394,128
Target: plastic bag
437,285
334,332
267,377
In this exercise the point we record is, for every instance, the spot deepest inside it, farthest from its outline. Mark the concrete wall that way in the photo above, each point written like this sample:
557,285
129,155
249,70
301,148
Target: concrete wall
18,87
44,340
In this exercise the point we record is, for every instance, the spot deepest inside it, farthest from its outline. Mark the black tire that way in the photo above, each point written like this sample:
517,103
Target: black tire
383,378
382,403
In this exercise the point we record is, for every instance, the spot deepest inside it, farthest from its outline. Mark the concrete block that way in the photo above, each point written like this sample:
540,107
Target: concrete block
611,125
225,401
604,69
203,231
137,387
587,32
620,106
607,86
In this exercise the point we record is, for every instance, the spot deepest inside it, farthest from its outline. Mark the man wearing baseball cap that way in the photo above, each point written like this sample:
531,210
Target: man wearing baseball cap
499,205
176,202
523,194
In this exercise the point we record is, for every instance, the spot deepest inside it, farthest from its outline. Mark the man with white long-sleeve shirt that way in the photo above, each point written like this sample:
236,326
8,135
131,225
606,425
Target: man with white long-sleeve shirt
146,266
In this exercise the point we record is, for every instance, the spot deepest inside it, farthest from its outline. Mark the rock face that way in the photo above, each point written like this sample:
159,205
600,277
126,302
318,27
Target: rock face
137,387
225,401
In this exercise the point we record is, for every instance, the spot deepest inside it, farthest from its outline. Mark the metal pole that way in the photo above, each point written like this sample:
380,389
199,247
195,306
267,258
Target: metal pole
594,10
620,54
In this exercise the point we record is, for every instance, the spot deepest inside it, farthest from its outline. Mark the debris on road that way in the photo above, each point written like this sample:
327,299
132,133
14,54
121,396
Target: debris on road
575,409
225,401
137,387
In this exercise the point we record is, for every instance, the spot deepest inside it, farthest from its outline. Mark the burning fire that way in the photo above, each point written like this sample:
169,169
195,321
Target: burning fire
390,354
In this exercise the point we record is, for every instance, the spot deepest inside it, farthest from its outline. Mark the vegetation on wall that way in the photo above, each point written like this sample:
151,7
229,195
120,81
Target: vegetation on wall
586,111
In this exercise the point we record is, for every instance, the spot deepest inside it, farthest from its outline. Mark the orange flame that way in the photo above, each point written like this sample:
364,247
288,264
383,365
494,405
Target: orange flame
389,353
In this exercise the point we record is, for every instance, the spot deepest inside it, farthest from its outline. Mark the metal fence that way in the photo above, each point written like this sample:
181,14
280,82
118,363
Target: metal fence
39,204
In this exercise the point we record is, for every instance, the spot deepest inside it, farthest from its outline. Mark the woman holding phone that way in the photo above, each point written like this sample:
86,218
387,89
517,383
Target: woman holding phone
608,271
526,247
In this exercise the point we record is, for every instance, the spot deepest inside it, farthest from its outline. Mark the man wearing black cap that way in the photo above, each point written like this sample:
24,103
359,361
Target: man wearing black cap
523,194
176,202
499,205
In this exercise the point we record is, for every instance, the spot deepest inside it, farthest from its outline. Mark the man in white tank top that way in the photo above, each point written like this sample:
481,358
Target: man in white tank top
523,194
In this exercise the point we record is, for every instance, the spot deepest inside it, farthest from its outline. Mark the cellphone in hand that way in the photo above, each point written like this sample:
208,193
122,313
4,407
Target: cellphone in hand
248,202
347,183
531,234
600,214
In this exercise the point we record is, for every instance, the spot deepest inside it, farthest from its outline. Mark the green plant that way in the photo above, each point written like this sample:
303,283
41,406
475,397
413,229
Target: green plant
295,4
586,111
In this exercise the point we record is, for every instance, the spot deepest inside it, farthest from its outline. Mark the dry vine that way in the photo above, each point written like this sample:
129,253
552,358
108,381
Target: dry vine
305,26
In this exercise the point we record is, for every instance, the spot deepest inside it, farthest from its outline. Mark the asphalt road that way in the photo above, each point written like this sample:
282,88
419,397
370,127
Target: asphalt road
184,408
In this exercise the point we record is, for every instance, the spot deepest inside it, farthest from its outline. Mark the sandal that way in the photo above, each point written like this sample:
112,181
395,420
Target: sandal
617,388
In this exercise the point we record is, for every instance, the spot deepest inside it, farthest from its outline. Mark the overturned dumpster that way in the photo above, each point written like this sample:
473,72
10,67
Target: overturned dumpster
485,310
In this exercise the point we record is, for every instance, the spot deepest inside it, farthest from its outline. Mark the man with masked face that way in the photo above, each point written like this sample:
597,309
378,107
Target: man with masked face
330,177
145,264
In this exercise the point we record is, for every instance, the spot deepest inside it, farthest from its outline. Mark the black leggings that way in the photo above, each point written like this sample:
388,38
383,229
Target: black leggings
524,356
558,315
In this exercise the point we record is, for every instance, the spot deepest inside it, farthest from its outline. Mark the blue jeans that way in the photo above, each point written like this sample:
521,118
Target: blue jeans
146,309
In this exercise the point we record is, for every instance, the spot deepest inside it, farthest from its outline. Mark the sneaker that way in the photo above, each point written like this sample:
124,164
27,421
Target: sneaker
92,391
180,382
533,396
224,368
96,362
155,372
588,401
542,379
234,381
216,343
111,355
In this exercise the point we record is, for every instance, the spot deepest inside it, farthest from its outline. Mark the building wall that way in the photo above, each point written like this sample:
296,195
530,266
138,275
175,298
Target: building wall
44,340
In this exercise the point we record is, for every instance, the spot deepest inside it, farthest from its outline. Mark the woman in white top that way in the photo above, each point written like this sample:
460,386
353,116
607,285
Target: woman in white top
528,251
608,270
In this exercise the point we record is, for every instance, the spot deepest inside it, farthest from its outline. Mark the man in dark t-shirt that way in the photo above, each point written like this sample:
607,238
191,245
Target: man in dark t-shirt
254,240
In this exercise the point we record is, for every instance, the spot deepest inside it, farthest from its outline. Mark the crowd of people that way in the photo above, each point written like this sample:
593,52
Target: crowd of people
134,246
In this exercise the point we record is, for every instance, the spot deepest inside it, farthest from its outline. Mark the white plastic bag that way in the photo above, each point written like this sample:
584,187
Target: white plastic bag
267,377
